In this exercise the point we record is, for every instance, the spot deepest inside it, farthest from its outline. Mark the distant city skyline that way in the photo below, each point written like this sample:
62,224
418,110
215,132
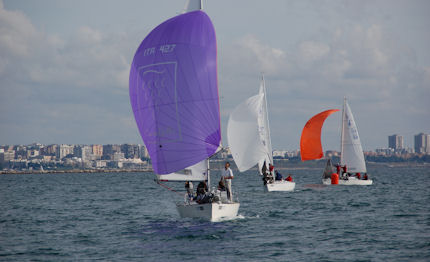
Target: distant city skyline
64,66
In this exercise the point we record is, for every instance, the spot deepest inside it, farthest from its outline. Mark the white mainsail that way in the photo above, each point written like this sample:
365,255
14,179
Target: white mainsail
351,150
197,172
264,127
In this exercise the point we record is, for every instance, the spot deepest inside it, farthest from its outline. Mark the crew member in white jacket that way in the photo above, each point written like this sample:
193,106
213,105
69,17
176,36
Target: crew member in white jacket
228,176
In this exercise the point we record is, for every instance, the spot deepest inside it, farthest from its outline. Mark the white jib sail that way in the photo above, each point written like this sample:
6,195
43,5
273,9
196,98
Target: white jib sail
351,150
243,133
264,128
197,172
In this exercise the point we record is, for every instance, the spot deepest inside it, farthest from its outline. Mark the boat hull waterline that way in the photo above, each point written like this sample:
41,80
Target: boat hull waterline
352,181
280,186
213,212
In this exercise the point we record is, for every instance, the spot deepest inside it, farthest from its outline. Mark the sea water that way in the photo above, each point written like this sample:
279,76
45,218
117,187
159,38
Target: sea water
128,217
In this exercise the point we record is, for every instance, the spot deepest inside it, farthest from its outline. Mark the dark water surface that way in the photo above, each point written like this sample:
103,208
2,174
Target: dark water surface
127,217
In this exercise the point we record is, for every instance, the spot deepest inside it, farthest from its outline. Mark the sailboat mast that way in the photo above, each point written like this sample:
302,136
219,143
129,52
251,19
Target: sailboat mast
267,120
342,130
208,174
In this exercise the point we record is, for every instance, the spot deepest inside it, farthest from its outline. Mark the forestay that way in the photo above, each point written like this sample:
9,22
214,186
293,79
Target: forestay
174,92
351,150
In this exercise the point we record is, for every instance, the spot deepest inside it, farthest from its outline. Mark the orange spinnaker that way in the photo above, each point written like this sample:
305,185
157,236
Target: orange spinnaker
310,142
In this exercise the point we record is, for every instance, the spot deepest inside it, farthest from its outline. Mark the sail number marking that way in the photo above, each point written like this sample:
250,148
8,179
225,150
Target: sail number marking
164,49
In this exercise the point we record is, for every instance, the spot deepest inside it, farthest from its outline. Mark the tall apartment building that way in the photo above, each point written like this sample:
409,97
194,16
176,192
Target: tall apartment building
110,150
51,150
395,142
83,151
6,156
64,150
130,151
97,150
422,143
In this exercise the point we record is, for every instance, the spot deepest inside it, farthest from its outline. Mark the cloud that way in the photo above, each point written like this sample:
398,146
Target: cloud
386,87
263,57
74,85
62,86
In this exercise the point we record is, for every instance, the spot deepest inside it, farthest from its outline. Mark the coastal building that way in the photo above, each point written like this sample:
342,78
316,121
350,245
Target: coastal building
32,153
64,150
395,142
7,156
110,150
50,150
97,151
118,156
422,143
143,152
279,153
130,151
384,151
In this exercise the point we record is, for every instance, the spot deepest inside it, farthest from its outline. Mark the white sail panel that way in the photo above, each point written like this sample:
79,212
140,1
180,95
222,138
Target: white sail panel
243,133
193,5
351,150
197,172
264,128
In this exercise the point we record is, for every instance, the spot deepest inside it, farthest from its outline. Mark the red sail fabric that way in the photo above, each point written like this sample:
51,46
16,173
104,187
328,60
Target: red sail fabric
310,142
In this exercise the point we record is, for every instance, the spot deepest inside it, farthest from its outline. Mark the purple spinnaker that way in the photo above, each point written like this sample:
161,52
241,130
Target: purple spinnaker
174,92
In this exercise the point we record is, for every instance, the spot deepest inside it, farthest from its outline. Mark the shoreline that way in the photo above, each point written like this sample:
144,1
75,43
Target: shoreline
68,171
290,166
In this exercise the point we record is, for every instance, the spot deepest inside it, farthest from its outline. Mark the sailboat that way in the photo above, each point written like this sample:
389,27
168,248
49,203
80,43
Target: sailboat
248,134
174,96
352,157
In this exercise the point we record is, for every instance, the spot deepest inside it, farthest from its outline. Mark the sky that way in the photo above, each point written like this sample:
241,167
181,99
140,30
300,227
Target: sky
64,66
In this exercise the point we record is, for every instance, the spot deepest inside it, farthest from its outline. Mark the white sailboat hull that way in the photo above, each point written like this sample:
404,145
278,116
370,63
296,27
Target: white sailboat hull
352,181
213,212
280,186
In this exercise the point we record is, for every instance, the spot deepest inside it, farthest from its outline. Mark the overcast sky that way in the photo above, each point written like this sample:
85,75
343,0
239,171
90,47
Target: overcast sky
64,66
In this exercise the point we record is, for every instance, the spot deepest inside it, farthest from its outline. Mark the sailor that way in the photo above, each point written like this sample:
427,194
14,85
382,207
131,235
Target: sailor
202,188
264,168
365,176
221,185
358,175
278,176
228,176
271,167
344,168
289,178
338,169
190,189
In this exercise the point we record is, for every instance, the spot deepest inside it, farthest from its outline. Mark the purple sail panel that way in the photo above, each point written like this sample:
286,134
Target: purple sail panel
174,92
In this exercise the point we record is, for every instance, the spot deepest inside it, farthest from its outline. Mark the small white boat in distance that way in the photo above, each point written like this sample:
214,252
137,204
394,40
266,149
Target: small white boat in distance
249,140
332,178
